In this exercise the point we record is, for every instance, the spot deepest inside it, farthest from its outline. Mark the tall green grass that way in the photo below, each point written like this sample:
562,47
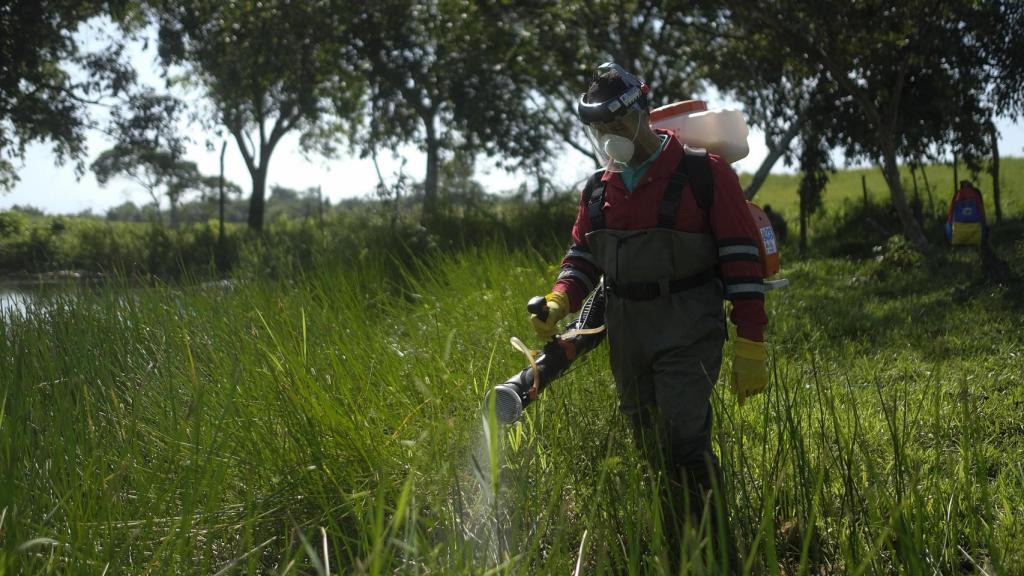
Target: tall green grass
330,422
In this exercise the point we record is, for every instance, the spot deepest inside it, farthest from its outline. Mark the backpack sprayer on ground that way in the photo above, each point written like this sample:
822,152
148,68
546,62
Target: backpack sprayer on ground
721,132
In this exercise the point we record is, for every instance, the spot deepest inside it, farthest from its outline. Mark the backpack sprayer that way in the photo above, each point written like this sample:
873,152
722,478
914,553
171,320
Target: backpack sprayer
582,335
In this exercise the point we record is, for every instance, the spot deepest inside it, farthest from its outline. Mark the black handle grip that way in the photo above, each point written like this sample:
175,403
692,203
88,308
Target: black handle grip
539,306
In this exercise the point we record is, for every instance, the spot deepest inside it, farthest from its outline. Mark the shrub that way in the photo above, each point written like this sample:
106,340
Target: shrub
11,224
58,225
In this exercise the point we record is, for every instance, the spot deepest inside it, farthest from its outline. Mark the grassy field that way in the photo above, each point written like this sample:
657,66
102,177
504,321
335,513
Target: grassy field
845,189
331,423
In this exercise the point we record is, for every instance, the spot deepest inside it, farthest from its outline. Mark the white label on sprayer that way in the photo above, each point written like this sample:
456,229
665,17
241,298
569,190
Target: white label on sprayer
768,235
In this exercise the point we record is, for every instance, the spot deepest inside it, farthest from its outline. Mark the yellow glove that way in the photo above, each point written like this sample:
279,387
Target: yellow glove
558,307
749,369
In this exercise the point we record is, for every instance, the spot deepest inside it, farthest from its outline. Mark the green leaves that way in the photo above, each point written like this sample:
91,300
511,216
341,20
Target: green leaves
267,68
40,101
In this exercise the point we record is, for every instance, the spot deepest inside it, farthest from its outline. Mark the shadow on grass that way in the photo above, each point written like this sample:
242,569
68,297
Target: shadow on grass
954,302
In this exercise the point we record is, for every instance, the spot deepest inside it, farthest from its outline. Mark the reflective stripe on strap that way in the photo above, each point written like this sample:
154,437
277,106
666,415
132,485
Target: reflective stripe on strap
569,272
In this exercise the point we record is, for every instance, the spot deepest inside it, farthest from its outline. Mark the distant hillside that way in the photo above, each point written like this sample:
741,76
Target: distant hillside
780,190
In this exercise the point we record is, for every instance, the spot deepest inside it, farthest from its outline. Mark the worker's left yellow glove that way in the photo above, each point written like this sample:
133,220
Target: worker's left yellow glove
749,369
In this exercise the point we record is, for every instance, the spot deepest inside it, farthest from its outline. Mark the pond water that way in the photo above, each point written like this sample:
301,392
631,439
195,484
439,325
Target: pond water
14,299
19,297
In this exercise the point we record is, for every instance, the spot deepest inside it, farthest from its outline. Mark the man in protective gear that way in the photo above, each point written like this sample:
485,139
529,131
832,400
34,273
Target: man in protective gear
668,228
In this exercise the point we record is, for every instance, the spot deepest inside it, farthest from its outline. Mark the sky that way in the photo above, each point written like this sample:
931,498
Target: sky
56,189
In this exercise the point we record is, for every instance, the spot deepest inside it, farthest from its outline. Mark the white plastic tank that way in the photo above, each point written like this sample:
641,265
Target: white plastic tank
721,132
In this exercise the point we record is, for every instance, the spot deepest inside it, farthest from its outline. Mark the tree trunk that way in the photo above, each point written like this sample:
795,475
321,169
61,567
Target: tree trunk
956,175
220,208
928,188
151,188
890,169
430,181
257,160
916,207
994,135
257,202
774,153
320,206
918,204
803,225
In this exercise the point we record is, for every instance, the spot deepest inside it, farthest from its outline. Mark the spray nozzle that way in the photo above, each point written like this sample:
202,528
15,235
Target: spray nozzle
513,396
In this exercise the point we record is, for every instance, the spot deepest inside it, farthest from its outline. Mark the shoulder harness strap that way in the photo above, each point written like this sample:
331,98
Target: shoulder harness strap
668,210
698,164
593,194
694,167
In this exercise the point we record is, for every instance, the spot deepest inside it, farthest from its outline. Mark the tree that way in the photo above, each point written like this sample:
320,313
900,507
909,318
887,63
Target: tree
126,211
905,77
266,69
298,204
461,191
1003,46
41,100
815,164
148,149
157,171
999,23
447,75
776,90
568,40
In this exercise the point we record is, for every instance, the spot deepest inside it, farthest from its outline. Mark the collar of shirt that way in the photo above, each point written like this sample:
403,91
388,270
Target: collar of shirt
630,175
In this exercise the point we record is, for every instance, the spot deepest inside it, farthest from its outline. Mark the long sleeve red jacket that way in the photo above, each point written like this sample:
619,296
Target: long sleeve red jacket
729,222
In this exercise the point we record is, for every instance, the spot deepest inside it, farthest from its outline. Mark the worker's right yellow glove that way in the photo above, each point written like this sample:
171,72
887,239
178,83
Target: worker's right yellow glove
749,369
558,307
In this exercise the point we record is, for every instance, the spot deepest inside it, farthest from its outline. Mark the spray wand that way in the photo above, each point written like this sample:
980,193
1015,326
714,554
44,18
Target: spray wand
582,335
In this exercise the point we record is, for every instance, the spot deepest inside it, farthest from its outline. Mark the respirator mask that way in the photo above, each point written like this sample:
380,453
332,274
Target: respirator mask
606,122
613,151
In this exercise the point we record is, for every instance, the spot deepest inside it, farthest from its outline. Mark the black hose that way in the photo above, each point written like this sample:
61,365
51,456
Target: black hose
512,396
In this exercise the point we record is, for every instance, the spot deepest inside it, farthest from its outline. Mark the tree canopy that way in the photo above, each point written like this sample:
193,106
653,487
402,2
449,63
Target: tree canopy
655,40
47,81
465,79
901,79
448,75
265,69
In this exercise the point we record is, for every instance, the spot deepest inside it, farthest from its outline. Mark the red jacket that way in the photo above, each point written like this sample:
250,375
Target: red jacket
729,222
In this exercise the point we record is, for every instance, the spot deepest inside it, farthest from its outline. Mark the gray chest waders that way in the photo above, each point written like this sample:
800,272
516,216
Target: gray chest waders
666,328
663,302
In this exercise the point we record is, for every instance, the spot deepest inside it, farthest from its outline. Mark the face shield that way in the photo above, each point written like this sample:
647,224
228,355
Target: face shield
614,143
612,125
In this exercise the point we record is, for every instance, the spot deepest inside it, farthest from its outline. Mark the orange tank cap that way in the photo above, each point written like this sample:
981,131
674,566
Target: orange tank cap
677,108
